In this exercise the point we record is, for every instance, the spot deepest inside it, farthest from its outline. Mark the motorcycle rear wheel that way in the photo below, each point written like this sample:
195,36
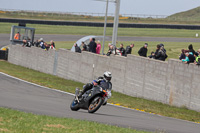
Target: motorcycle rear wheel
74,105
95,104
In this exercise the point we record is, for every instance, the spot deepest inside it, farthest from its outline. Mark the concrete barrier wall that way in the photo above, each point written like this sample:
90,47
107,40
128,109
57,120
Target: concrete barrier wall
169,82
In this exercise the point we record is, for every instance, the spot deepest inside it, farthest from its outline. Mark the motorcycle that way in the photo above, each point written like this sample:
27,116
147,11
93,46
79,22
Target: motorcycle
91,100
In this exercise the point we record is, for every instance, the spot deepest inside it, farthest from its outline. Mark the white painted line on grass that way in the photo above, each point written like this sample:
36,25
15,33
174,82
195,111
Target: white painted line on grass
35,84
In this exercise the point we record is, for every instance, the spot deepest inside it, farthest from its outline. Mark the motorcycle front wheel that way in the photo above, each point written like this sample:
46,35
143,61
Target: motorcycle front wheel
74,105
95,104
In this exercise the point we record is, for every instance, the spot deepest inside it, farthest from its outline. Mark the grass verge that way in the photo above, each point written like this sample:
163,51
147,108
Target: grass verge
84,30
20,122
117,98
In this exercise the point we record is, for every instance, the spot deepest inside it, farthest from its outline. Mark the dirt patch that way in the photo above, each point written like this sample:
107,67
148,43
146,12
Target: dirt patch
4,130
56,126
1,119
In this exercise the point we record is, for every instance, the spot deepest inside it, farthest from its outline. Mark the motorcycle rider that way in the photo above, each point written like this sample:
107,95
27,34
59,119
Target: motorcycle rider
103,82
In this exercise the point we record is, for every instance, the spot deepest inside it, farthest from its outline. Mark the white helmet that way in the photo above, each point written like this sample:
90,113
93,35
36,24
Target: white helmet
107,75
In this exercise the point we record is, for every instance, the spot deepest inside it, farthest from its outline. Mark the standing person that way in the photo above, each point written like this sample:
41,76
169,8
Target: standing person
197,58
92,45
98,49
17,36
129,49
190,47
84,47
77,48
182,56
122,50
110,50
160,54
52,45
143,50
190,58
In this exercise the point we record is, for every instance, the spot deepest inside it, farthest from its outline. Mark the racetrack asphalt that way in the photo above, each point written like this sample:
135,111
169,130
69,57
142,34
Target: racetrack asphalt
4,38
27,97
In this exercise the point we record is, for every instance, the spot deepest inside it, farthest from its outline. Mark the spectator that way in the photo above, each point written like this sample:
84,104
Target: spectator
116,51
122,50
186,57
17,36
143,50
41,42
77,48
52,45
190,47
160,53
37,43
182,56
92,45
110,51
84,47
129,49
98,48
198,51
47,46
152,55
164,50
190,59
197,58
162,45
27,43
109,44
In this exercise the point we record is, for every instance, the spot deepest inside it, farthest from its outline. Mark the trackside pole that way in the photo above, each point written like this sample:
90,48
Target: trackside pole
105,24
116,23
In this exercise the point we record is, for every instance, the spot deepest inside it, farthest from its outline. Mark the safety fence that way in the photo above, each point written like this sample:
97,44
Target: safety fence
98,24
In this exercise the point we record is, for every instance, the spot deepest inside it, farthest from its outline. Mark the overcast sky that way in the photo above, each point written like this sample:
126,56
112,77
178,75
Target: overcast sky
150,7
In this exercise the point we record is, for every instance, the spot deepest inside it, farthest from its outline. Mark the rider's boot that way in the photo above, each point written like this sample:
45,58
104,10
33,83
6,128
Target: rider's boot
85,88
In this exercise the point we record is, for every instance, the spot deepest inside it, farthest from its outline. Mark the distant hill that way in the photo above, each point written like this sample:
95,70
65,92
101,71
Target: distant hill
193,14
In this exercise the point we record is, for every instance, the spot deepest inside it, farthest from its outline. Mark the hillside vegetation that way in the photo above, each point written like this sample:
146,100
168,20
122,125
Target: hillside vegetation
193,14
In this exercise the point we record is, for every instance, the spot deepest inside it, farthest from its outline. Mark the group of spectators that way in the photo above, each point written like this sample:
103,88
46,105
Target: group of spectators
44,45
187,56
94,47
190,55
159,54
39,43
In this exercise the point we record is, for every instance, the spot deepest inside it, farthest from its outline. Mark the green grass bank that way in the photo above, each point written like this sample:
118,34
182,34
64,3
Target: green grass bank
84,30
12,121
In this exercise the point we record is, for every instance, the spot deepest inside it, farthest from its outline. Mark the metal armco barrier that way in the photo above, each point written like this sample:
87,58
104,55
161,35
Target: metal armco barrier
96,24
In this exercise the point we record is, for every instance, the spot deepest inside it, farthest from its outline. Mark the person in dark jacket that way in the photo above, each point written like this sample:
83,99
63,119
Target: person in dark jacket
182,56
77,48
152,55
92,45
190,57
143,50
84,47
190,47
122,50
110,50
129,49
160,53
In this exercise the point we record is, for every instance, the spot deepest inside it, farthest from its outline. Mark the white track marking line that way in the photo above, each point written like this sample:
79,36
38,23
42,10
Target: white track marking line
74,95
